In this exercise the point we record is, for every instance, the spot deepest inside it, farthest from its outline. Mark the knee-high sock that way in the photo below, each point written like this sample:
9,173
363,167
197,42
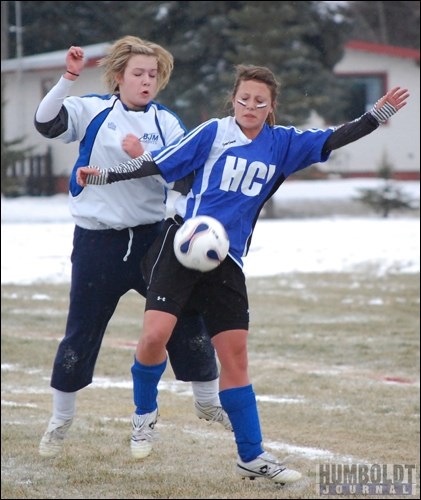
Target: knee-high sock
241,407
206,392
145,386
64,404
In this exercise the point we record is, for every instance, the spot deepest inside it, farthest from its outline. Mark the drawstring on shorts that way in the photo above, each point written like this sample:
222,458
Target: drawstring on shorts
129,246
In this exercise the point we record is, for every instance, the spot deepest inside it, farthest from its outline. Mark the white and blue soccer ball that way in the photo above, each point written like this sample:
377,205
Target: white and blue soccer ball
201,243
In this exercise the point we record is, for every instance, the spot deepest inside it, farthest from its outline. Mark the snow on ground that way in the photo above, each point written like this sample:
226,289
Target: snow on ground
37,237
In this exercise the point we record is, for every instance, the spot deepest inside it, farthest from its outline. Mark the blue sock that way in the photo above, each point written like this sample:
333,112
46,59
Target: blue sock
241,407
145,386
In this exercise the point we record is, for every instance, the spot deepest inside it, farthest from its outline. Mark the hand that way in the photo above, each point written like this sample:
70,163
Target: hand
132,146
396,97
75,60
82,174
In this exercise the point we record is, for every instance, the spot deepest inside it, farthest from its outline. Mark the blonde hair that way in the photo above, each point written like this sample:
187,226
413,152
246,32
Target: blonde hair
122,50
260,74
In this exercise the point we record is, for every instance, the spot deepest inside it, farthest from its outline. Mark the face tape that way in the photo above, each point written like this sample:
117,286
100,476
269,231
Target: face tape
258,106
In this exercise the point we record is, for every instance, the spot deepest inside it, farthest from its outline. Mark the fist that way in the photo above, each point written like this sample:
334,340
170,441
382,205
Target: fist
132,146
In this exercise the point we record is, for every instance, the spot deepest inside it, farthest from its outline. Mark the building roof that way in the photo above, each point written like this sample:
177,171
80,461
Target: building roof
387,50
52,60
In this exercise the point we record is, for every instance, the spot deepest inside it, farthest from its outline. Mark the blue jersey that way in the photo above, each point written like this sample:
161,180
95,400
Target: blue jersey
234,175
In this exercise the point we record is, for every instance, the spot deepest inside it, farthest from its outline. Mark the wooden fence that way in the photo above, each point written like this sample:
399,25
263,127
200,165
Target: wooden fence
31,176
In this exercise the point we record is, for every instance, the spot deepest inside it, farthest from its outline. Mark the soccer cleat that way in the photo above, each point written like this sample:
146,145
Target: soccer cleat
267,466
213,413
143,434
52,440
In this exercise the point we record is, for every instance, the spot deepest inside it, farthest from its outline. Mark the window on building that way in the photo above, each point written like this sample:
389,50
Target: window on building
363,91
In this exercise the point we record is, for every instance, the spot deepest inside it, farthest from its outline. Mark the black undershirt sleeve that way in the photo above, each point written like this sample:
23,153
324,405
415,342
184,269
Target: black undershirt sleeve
350,132
133,169
54,127
145,169
136,168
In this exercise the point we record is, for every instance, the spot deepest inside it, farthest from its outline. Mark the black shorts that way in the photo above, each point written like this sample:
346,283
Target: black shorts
219,295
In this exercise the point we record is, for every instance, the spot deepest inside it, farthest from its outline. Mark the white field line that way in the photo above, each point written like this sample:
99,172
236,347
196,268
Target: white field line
183,389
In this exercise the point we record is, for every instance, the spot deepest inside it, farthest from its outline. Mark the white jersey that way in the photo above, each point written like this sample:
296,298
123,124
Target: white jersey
99,123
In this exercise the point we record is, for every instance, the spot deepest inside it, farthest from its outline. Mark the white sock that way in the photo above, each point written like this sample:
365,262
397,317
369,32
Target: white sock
207,392
64,405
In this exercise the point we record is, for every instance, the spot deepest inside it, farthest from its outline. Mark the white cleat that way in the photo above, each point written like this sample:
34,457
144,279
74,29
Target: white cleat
143,433
267,466
52,441
213,413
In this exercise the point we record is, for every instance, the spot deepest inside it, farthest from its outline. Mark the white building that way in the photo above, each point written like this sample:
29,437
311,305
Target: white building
372,68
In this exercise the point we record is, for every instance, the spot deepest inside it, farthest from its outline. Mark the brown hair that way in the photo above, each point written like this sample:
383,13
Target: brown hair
261,74
123,49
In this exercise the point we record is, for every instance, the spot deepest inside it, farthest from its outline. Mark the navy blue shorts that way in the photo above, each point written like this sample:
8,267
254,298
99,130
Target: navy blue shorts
105,266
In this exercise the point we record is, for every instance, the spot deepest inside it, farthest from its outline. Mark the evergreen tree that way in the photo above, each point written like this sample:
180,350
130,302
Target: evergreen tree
49,26
301,42
200,45
387,197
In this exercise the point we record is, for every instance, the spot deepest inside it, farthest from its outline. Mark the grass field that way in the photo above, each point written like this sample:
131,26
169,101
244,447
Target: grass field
334,360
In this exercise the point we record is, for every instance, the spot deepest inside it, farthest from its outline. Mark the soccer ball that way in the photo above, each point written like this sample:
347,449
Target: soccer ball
201,243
